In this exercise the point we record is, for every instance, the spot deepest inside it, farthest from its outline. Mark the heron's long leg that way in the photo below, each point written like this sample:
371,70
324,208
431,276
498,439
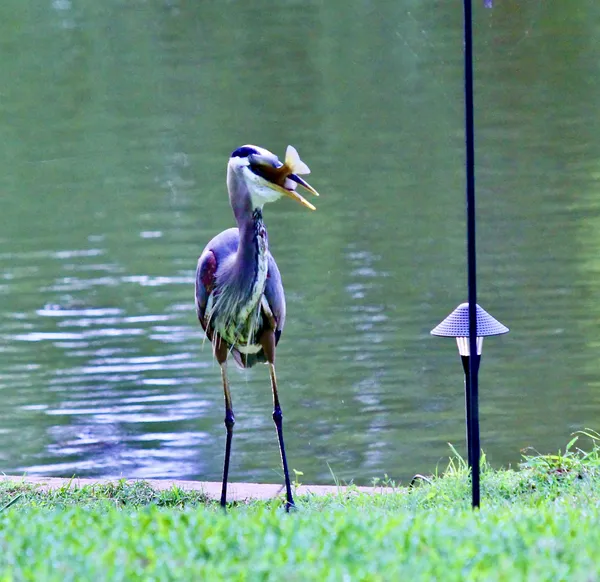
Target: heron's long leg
229,422
267,342
278,418
221,355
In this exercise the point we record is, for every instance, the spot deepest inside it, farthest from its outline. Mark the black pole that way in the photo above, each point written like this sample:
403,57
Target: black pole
466,367
472,398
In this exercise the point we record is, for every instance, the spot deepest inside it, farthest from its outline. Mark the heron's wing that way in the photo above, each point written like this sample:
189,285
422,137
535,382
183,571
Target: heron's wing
205,282
275,296
213,255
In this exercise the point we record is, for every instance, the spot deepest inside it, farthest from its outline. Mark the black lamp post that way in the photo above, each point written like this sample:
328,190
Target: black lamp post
468,323
457,325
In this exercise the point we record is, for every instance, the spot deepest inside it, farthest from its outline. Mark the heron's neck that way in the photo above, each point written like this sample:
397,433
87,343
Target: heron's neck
251,259
253,238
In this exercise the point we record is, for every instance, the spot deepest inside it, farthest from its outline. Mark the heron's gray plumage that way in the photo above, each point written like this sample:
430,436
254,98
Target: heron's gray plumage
232,281
235,271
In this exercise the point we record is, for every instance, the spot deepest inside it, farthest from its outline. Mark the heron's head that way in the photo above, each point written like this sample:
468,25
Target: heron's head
265,177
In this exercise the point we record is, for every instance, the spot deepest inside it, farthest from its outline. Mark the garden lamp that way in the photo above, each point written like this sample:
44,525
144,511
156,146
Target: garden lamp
457,325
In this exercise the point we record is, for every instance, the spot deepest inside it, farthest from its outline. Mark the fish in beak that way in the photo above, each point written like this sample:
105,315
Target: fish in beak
285,177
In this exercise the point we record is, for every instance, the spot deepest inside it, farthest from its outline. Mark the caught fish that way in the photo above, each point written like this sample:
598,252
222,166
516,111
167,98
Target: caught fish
286,176
292,168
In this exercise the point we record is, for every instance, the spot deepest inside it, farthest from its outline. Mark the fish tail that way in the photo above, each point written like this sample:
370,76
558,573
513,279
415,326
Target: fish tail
294,163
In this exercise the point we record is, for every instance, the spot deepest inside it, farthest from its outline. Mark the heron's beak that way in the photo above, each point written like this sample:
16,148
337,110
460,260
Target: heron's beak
289,189
284,177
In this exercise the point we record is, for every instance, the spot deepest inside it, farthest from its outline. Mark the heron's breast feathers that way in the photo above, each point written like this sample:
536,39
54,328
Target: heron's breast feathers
235,312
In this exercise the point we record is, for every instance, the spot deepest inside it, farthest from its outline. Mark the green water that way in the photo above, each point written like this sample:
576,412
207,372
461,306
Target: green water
116,122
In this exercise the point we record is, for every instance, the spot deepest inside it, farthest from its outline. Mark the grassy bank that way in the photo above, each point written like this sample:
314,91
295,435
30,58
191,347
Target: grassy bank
537,523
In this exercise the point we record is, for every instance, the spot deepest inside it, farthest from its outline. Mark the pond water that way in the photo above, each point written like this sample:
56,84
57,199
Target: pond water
117,119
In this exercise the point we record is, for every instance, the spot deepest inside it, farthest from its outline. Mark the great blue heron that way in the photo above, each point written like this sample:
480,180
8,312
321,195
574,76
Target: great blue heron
239,295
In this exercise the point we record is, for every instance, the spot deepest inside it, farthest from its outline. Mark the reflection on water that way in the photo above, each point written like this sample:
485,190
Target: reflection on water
117,124
101,398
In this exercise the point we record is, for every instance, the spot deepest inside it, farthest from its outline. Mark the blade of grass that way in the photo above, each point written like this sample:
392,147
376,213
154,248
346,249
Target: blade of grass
11,502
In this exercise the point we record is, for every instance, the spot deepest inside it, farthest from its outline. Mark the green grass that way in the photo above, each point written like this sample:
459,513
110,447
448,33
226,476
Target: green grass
541,522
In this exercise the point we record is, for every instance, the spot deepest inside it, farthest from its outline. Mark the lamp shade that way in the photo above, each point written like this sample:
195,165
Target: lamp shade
457,324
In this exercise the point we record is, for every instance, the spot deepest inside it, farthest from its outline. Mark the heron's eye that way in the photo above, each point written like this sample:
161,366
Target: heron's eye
243,152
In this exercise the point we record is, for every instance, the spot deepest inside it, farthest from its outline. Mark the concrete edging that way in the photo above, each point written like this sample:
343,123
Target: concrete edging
235,491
